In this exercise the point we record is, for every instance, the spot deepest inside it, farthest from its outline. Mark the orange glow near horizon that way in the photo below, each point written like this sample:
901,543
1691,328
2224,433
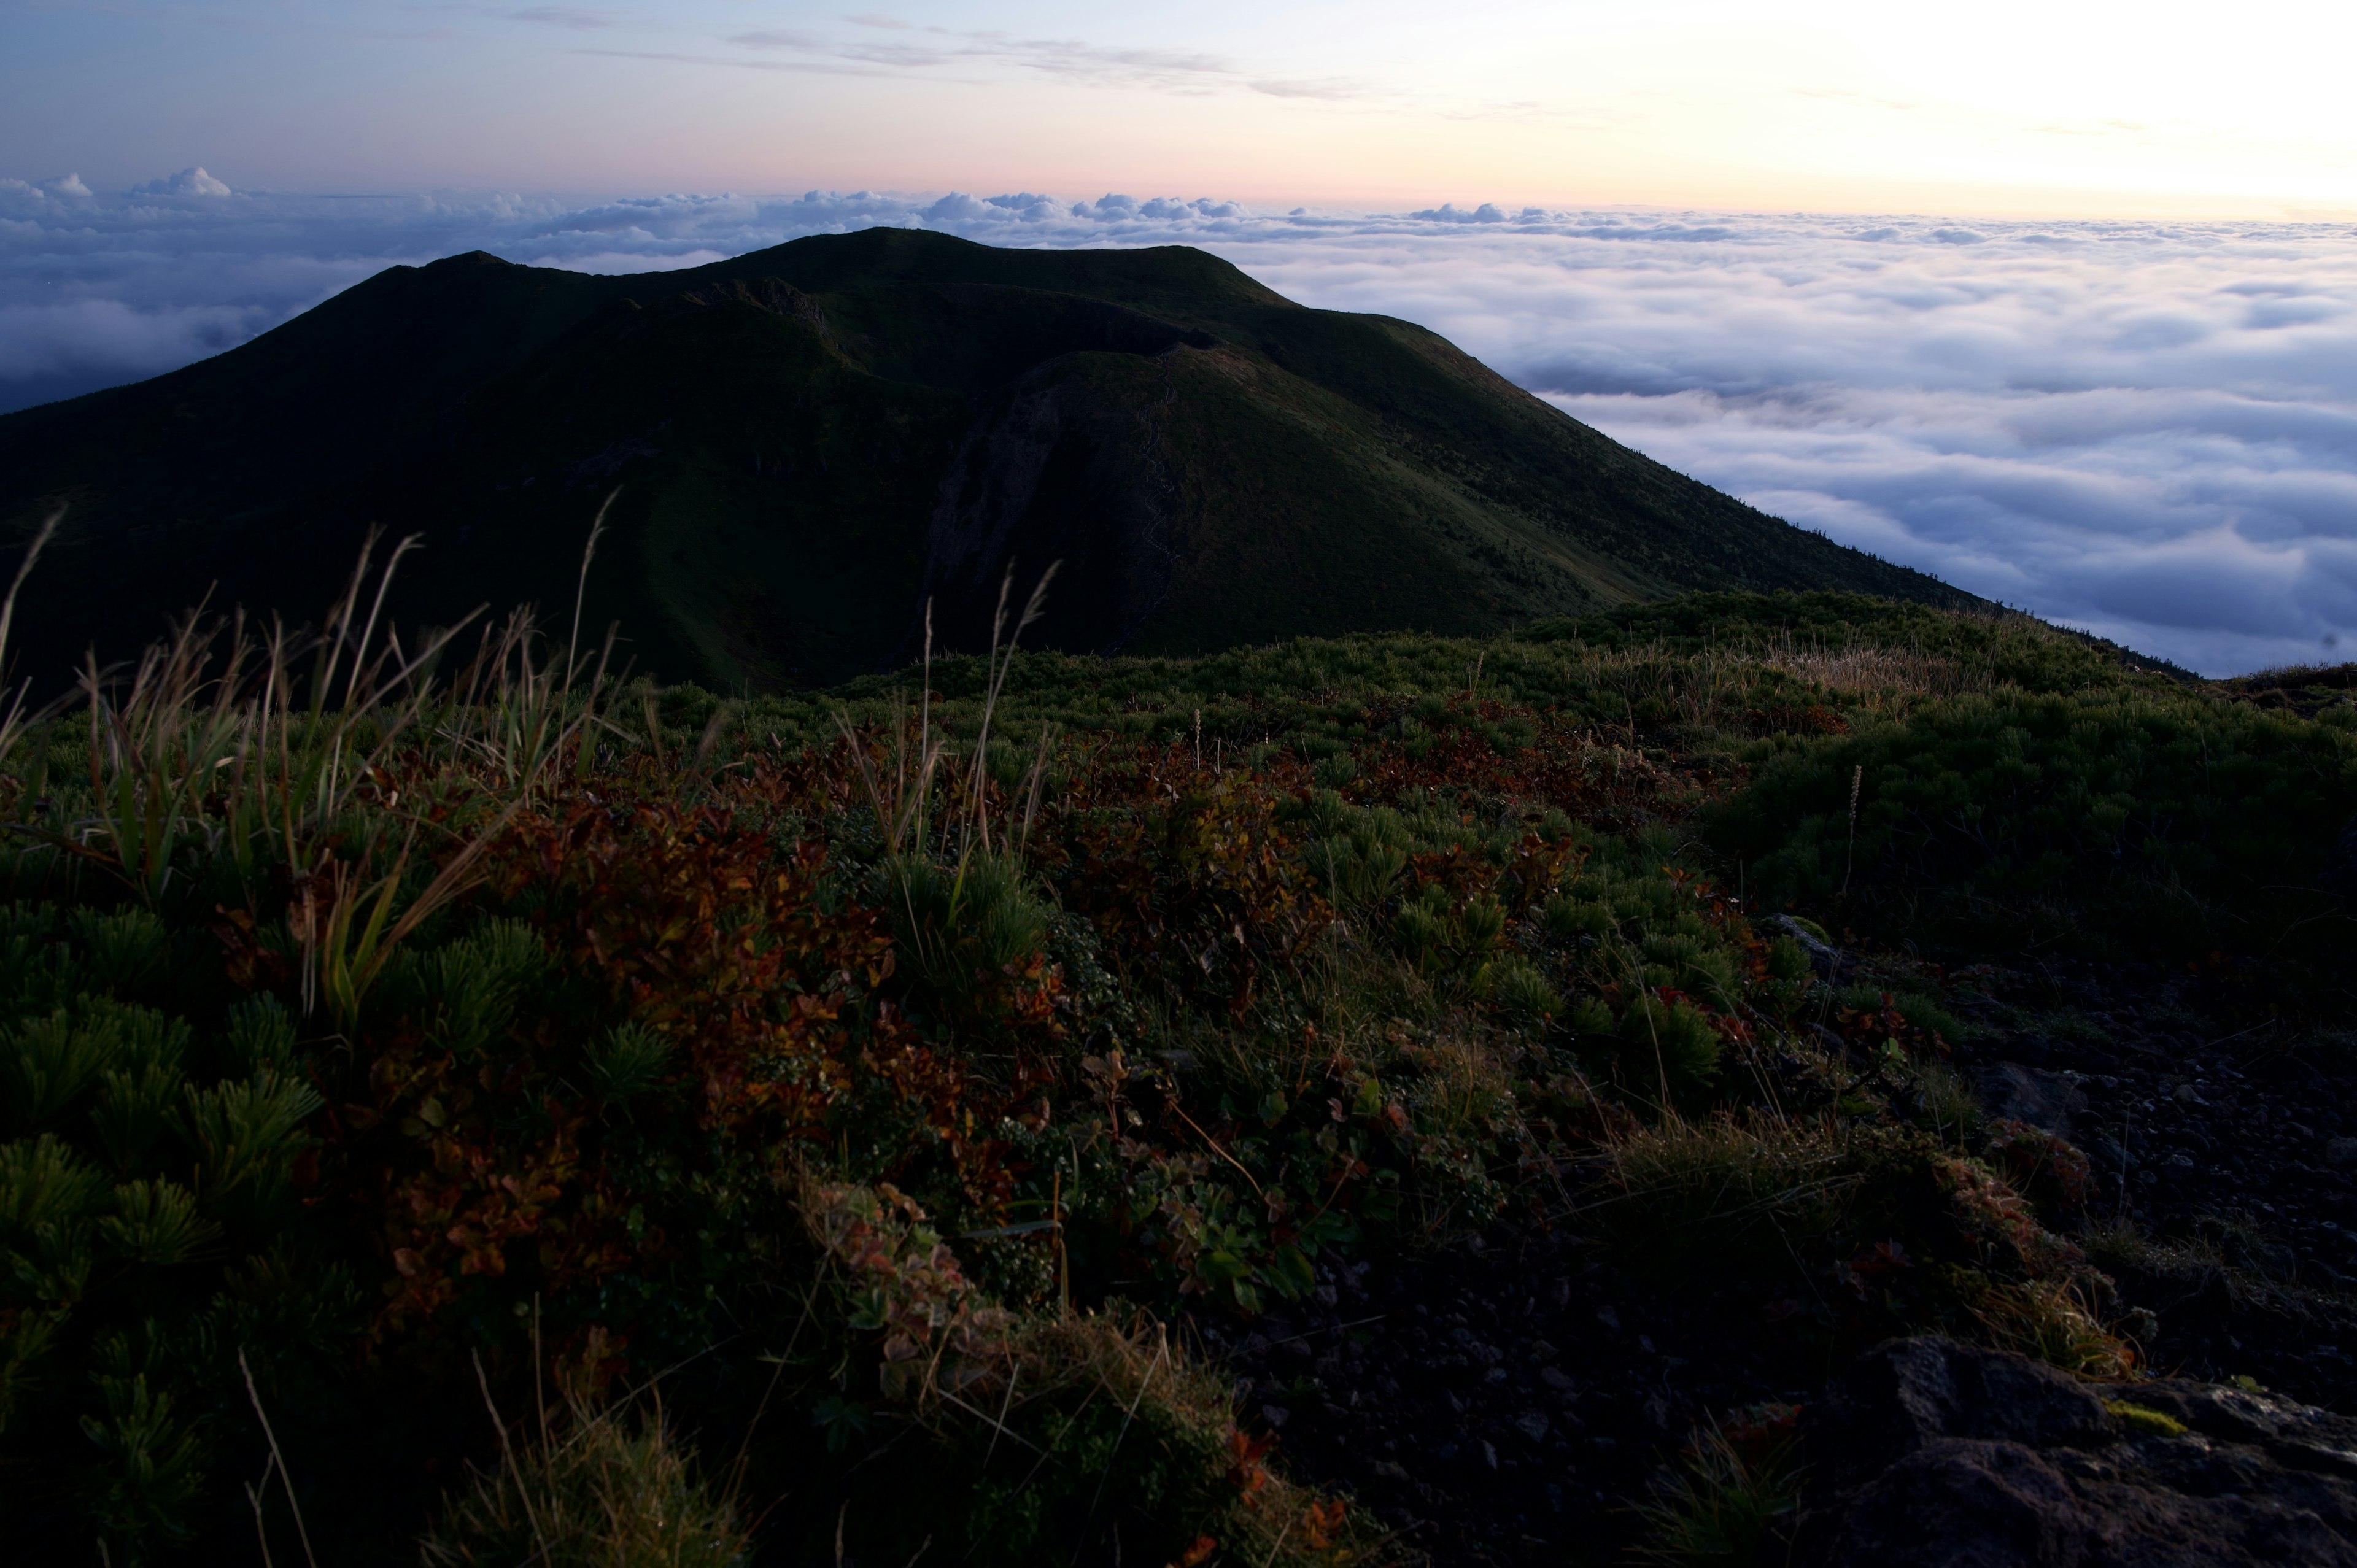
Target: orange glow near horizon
2061,109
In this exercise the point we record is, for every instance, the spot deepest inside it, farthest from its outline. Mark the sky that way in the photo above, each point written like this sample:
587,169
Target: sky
2057,108
2056,300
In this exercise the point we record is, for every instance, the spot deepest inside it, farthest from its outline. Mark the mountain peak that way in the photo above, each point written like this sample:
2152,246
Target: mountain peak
809,441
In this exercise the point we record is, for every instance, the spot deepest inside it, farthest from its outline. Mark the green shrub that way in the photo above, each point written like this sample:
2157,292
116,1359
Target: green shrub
1422,932
1787,960
1521,991
248,1101
1360,870
147,1179
1668,1044
2119,803
1591,1019
628,1062
965,927
1571,918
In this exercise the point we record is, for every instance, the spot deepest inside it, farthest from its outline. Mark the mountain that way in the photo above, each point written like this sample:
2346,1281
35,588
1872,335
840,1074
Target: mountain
807,442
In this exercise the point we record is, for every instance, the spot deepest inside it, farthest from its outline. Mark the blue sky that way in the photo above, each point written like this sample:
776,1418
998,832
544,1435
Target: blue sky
2064,107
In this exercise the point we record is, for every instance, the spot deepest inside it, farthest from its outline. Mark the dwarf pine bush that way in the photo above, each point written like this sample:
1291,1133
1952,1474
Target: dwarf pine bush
2124,805
361,1024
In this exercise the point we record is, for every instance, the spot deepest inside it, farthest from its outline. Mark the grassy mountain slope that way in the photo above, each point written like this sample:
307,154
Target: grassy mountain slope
849,1154
809,441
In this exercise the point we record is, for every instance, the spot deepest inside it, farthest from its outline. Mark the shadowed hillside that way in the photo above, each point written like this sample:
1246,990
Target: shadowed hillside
810,440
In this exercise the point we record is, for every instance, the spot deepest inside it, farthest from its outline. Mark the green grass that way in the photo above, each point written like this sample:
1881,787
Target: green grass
875,1078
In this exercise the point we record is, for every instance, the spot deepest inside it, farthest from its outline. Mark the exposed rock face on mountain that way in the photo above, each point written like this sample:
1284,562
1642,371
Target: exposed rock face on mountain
1936,1455
809,441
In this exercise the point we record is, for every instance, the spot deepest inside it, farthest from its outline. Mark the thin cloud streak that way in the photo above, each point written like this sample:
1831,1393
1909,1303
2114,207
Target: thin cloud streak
2146,429
576,18
1074,60
807,68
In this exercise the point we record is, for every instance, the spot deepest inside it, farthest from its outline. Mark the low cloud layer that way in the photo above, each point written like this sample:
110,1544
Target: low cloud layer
2148,430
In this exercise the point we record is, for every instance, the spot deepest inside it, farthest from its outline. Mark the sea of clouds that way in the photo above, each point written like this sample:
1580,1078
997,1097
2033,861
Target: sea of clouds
2148,430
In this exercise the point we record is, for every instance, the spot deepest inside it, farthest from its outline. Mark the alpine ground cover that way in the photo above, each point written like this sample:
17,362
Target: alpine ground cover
451,1091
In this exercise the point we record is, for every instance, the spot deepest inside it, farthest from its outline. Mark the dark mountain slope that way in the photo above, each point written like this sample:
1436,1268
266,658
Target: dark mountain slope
809,440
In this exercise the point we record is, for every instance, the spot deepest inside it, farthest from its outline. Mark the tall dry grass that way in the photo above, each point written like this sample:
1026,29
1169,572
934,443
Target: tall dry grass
217,747
590,1487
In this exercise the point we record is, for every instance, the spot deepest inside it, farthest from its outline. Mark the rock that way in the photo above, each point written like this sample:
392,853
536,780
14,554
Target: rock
1964,1502
2233,1415
1532,1424
1831,964
2341,1152
2012,1092
1905,1393
1933,1454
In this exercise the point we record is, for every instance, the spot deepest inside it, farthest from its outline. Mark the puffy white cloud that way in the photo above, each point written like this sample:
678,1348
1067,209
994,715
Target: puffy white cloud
1487,212
187,182
2146,429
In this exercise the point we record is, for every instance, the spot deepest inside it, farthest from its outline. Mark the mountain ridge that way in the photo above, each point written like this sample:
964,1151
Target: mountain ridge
811,440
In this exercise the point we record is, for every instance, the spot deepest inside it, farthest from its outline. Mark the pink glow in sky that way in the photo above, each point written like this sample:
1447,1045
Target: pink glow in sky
2061,107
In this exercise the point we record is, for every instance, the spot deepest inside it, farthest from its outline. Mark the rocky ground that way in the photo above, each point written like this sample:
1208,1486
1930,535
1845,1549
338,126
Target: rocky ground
1928,1453
1512,1399
2222,1137
1505,1402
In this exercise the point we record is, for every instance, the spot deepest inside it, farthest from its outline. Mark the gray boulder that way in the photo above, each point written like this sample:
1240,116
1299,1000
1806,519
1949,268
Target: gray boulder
1928,1453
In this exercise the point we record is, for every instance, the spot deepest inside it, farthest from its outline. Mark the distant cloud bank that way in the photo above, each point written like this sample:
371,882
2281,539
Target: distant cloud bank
2146,429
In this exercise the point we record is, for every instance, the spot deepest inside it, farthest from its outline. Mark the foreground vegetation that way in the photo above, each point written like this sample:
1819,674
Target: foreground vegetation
459,1102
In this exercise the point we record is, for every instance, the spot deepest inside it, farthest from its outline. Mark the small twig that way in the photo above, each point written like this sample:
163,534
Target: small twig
1330,1328
24,569
284,1479
1849,858
777,1370
253,1499
1048,1454
1278,1544
1219,1150
507,1451
1056,1217
1144,1383
1013,1376
1000,1430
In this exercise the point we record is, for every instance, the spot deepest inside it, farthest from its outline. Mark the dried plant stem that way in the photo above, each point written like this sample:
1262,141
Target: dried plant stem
506,1454
285,1480
581,588
1849,858
24,569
